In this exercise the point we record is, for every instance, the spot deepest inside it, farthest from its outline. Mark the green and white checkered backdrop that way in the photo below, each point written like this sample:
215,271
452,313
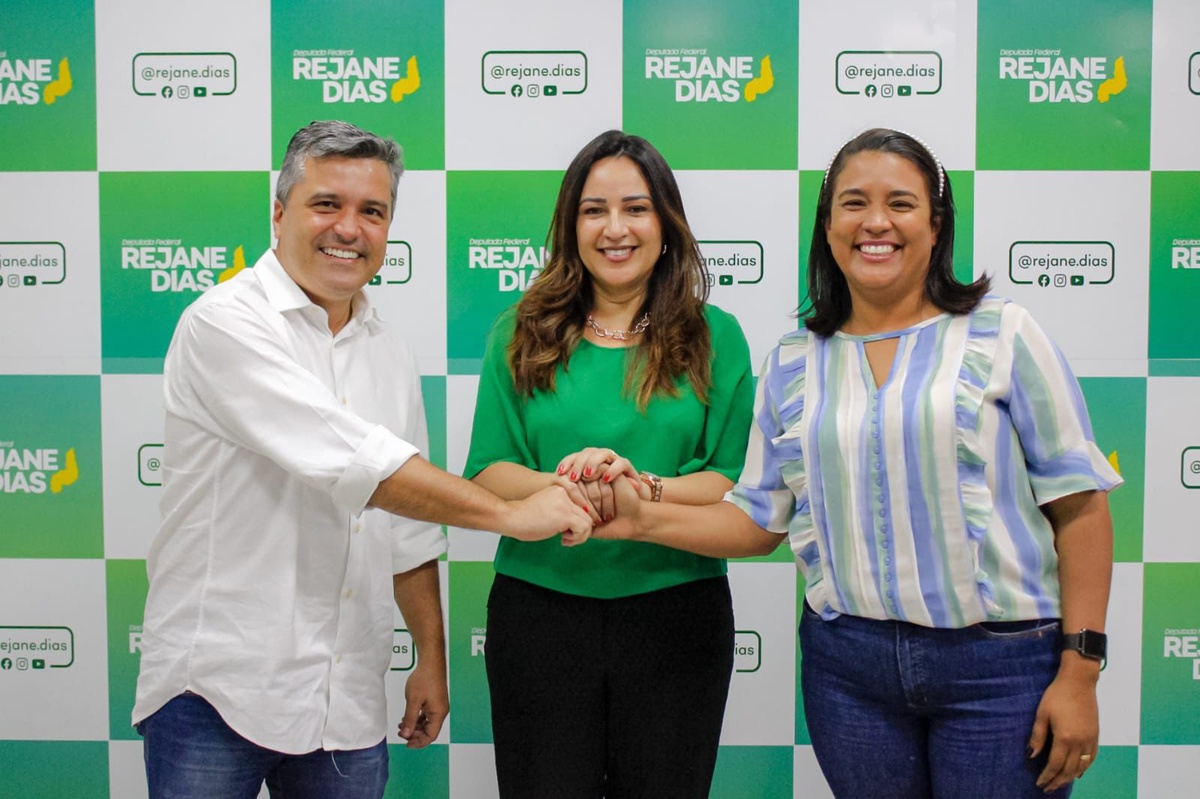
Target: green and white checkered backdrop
137,143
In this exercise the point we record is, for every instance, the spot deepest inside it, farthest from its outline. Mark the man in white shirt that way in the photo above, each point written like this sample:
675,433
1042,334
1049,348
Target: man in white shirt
296,507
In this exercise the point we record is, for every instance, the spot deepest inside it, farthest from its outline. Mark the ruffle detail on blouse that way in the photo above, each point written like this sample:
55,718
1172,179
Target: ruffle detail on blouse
979,355
788,384
789,389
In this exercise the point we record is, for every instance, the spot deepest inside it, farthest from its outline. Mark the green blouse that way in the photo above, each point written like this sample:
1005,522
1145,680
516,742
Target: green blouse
589,408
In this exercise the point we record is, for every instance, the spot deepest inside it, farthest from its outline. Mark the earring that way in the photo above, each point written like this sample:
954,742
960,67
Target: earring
664,251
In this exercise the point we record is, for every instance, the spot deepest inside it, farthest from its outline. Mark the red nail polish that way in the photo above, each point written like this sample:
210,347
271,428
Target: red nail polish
561,468
606,478
574,476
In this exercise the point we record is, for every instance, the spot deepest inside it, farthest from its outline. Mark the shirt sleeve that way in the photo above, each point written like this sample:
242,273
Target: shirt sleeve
730,401
1051,420
231,372
498,430
761,491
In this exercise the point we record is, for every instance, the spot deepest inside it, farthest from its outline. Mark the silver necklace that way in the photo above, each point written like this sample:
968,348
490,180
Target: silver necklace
620,335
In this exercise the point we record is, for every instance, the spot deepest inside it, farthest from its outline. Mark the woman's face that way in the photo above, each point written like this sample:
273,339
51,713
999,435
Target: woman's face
880,229
617,229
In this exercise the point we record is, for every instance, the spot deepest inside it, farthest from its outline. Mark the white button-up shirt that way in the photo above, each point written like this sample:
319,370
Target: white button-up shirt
270,583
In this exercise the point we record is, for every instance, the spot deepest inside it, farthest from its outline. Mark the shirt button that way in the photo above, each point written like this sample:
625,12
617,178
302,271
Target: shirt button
337,659
358,528
349,593
344,400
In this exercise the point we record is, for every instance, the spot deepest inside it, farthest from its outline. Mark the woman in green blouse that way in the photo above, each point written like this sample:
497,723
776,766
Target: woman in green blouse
608,663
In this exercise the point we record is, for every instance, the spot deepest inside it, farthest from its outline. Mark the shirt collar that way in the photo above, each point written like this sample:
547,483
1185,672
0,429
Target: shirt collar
285,295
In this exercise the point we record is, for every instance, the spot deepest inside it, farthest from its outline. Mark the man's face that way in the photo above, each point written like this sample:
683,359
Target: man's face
332,232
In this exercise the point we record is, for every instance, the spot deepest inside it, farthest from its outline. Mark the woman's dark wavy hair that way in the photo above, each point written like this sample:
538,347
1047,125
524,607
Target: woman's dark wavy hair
552,314
829,301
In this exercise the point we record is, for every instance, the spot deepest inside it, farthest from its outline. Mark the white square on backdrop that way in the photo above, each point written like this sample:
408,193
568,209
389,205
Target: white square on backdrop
1172,470
153,114
131,413
52,325
492,47
840,46
1029,223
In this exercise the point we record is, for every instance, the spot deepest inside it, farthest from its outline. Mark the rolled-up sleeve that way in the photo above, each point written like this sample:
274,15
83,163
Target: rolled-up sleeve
380,454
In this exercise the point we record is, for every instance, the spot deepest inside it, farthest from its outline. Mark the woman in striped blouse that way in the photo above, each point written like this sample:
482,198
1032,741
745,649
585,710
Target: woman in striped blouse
926,450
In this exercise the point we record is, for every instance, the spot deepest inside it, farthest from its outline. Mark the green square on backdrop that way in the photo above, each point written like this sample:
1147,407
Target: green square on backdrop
165,238
713,85
48,87
378,64
52,471
1063,86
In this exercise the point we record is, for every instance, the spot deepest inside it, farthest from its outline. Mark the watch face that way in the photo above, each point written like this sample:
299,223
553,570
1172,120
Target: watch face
1093,644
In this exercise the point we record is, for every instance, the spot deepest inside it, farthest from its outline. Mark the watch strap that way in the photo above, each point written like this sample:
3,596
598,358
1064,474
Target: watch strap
1088,643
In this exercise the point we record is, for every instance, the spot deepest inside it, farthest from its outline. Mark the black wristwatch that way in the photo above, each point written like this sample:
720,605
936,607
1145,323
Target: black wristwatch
1089,643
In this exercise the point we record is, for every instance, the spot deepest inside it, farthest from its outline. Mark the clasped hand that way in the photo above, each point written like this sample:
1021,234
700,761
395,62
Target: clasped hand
590,477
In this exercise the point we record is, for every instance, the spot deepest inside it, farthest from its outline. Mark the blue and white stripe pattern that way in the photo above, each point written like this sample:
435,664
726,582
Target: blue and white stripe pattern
919,500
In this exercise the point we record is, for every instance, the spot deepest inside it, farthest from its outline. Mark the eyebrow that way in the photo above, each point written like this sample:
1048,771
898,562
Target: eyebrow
628,198
330,195
892,193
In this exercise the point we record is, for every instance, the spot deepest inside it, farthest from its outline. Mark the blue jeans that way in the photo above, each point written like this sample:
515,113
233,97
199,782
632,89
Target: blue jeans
898,710
191,753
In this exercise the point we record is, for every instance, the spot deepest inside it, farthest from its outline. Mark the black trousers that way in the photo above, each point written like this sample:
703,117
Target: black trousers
618,698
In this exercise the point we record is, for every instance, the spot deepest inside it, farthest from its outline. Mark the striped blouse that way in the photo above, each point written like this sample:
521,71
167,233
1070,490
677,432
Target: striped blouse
918,500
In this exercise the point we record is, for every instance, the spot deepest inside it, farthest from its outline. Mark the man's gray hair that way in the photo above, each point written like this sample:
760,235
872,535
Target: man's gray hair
331,138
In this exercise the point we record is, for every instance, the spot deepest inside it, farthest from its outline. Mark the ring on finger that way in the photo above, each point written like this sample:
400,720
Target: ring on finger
1085,758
